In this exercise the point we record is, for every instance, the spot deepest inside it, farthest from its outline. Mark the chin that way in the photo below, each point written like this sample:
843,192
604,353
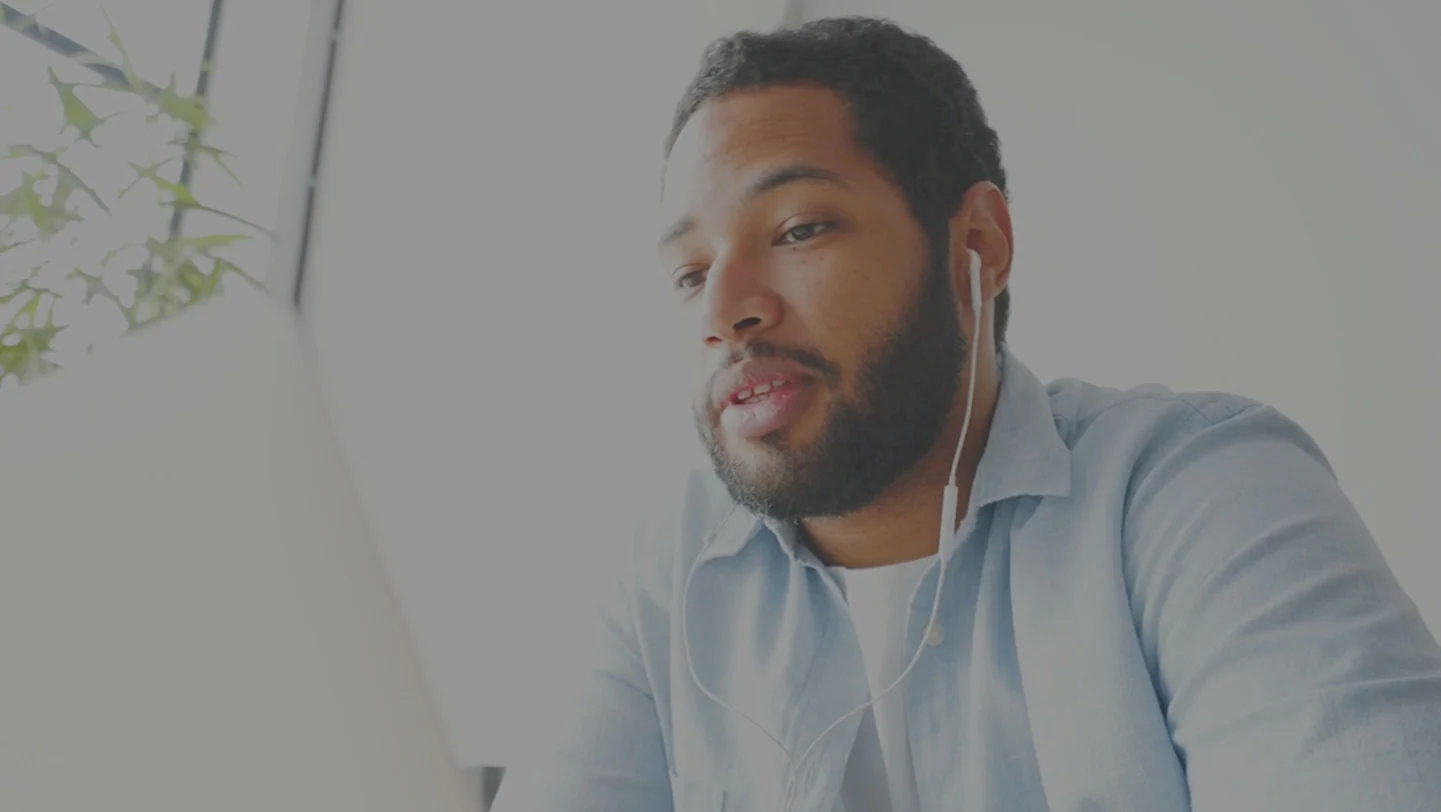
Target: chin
778,445
762,465
754,458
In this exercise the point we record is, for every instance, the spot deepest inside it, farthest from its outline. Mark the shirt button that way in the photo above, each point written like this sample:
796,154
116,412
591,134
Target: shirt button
936,635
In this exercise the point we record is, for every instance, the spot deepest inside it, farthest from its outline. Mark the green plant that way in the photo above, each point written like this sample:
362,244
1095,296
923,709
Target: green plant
80,244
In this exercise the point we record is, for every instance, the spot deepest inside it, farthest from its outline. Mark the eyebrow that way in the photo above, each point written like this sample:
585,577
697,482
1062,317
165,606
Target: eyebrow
793,173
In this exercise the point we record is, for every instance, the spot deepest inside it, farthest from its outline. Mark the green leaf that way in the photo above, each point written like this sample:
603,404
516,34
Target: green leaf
113,253
182,198
219,156
145,282
16,359
6,248
213,241
18,202
25,203
180,195
200,284
94,286
31,308
61,196
131,185
227,215
225,266
215,154
175,252
10,297
77,113
66,175
26,358
190,110
164,252
132,78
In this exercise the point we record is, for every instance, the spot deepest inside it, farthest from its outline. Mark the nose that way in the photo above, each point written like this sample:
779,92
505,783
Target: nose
740,304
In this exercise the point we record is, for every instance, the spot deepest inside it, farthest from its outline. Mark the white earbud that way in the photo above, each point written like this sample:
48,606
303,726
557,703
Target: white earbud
952,494
975,274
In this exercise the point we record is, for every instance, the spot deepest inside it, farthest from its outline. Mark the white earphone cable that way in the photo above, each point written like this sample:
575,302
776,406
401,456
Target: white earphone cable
690,661
948,527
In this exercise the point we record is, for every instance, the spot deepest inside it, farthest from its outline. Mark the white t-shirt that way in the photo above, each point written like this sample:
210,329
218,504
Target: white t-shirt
880,776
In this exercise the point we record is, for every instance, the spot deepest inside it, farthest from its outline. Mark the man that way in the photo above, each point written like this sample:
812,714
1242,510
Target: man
1150,601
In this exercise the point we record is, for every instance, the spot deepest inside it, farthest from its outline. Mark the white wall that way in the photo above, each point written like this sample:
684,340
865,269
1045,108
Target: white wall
1239,199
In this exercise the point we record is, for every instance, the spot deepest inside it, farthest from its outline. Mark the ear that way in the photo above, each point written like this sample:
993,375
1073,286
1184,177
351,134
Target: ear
982,224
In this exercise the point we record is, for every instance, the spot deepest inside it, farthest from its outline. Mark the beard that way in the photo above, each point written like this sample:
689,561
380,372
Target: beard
906,387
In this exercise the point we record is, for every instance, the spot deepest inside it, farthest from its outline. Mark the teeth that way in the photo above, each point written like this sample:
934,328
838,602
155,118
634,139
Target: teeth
746,394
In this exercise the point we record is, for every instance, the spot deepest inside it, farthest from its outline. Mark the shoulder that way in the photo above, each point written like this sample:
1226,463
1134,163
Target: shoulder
1147,432
1151,410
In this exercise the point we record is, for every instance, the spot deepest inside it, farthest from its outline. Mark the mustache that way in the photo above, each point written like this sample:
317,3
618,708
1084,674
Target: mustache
828,372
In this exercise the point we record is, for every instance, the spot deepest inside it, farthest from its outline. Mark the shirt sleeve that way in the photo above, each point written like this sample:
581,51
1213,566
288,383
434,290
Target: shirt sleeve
1294,672
606,754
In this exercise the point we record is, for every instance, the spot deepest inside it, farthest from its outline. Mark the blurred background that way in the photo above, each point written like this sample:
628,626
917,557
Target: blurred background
461,201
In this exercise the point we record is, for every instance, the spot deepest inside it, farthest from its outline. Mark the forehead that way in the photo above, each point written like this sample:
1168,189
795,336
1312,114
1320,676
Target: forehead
732,138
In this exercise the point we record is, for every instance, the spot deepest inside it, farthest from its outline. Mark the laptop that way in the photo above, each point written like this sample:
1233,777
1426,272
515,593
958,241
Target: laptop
193,614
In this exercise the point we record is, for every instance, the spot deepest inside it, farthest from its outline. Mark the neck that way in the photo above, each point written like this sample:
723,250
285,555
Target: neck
904,523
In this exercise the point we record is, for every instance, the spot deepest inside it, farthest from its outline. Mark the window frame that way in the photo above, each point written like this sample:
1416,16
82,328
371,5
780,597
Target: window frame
234,53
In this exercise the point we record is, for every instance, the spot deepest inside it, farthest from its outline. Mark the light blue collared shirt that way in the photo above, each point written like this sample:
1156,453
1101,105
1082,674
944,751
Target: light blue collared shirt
1156,602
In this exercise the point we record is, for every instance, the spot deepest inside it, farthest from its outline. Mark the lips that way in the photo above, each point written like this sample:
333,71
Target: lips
762,396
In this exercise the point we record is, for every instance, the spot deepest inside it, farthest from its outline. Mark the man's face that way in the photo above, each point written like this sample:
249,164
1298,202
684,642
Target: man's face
829,344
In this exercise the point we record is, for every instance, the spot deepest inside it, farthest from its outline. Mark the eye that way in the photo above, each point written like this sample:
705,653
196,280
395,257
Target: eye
805,231
690,280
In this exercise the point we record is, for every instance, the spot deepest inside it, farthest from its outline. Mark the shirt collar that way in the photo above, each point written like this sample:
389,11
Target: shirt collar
1025,453
1025,456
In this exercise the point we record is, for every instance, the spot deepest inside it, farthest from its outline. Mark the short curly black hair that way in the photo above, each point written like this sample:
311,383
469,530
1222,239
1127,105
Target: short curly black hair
914,109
